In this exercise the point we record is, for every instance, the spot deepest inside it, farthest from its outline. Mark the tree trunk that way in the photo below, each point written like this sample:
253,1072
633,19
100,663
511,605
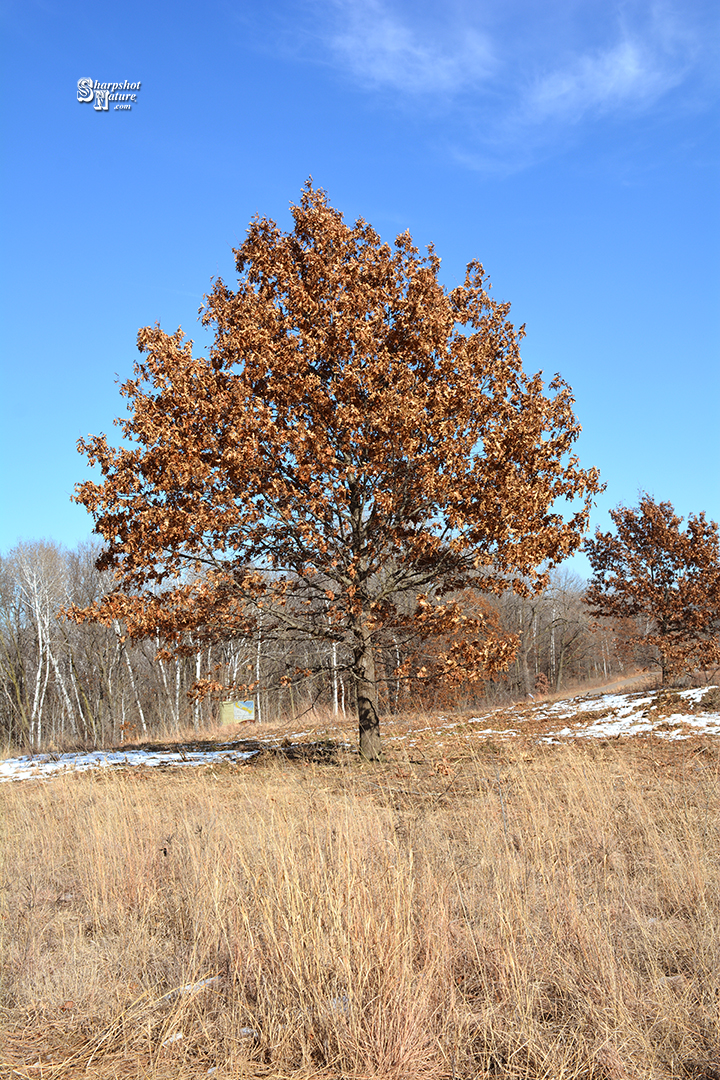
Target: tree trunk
258,712
664,668
334,678
561,665
366,693
527,683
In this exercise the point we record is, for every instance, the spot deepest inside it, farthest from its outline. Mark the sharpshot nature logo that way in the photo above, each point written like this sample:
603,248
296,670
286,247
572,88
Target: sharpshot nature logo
101,94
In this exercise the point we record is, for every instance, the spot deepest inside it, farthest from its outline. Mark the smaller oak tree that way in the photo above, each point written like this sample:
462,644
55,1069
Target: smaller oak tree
358,450
662,582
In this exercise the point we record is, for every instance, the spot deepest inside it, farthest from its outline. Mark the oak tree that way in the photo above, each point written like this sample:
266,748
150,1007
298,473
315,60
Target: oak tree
663,581
359,446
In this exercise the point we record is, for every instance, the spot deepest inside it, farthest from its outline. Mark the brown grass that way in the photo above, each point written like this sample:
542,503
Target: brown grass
508,912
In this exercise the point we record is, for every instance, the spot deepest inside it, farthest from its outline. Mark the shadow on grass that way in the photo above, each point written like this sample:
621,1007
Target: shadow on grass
320,752
323,752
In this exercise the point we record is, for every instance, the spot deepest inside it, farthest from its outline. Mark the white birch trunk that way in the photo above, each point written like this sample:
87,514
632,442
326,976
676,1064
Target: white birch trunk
335,678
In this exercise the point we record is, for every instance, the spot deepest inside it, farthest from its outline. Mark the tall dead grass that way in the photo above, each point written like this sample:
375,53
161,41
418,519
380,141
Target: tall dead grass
531,913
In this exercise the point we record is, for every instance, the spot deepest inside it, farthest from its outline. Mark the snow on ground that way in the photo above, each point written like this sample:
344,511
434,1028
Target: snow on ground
666,714
43,765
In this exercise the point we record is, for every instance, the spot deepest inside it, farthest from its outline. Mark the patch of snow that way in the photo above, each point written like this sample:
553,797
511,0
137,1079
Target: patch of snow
177,1037
708,722
41,765
623,715
607,701
192,988
696,694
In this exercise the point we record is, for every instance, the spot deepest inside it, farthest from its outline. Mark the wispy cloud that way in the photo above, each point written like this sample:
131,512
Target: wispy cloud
382,48
520,79
629,74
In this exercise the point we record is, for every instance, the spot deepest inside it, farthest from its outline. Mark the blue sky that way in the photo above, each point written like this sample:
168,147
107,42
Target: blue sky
571,147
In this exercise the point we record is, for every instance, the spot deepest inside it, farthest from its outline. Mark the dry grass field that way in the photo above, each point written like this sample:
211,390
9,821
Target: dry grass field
500,910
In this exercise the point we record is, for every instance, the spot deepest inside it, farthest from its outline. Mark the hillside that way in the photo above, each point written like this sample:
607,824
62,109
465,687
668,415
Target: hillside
663,714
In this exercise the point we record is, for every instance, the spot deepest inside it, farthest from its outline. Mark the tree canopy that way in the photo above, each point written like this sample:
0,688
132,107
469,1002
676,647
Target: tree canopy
662,580
359,446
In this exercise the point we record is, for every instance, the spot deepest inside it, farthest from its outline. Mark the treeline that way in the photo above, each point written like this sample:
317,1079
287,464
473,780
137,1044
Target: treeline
64,682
